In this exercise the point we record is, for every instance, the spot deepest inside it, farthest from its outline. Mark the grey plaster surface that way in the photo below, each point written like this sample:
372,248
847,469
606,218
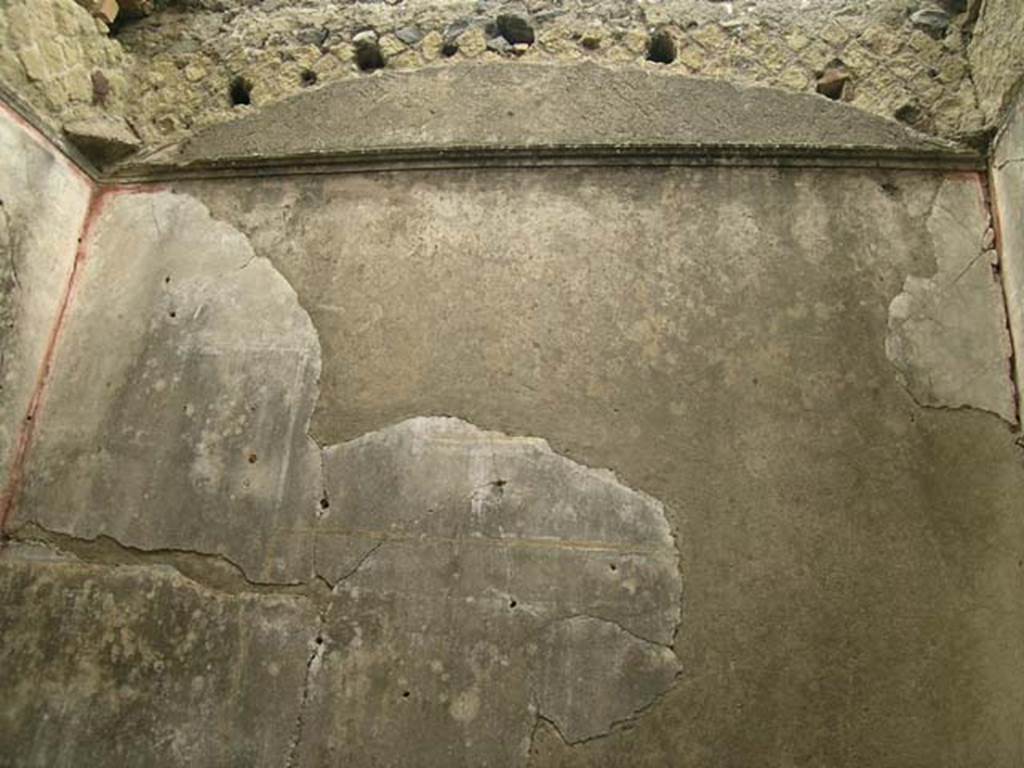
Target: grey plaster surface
43,203
580,106
498,582
137,666
948,333
849,559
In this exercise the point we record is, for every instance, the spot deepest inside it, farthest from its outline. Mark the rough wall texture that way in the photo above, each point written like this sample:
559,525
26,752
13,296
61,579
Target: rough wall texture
183,66
50,53
997,56
136,665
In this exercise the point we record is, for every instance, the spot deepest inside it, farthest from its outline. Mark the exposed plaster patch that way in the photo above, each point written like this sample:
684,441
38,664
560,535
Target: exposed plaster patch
181,396
515,585
442,558
947,335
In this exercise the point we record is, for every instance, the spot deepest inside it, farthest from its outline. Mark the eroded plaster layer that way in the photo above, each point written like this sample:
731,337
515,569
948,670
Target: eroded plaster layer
176,416
485,581
133,665
948,333
43,204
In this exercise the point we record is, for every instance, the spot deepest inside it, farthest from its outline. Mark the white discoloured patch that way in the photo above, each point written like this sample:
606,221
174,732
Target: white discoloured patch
947,333
465,707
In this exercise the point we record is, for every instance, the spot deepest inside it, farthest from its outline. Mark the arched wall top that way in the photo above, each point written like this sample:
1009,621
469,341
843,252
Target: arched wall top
522,113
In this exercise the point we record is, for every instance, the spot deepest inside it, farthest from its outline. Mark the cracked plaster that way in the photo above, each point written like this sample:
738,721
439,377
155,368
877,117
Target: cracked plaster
947,335
444,576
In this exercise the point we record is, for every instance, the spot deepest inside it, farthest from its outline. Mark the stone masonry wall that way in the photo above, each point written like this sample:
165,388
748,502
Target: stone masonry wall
997,55
189,63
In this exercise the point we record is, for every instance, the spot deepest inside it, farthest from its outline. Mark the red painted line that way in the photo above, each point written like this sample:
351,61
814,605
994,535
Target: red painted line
16,473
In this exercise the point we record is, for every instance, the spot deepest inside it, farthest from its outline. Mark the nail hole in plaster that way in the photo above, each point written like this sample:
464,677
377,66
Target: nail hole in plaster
252,458
308,78
406,694
613,567
167,279
661,48
240,91
319,640
512,603
324,503
173,314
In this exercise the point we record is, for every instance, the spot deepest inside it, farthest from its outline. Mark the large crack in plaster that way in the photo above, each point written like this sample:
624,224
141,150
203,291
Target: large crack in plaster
470,569
948,336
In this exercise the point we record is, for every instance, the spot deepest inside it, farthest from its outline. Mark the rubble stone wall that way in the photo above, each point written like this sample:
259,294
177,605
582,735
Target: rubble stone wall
169,68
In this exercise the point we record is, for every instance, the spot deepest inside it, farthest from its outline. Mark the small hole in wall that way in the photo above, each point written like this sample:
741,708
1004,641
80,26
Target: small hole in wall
613,567
908,114
241,91
406,694
173,314
252,458
308,78
319,640
832,81
369,57
512,603
449,49
324,503
661,48
167,279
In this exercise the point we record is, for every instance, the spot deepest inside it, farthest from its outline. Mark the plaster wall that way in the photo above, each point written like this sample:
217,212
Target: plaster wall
351,469
43,204
1008,193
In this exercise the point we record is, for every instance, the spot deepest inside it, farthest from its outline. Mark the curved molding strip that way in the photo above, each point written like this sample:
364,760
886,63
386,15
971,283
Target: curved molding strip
515,114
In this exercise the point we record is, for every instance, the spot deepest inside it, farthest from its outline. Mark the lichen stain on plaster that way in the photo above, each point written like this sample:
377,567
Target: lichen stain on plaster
948,337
